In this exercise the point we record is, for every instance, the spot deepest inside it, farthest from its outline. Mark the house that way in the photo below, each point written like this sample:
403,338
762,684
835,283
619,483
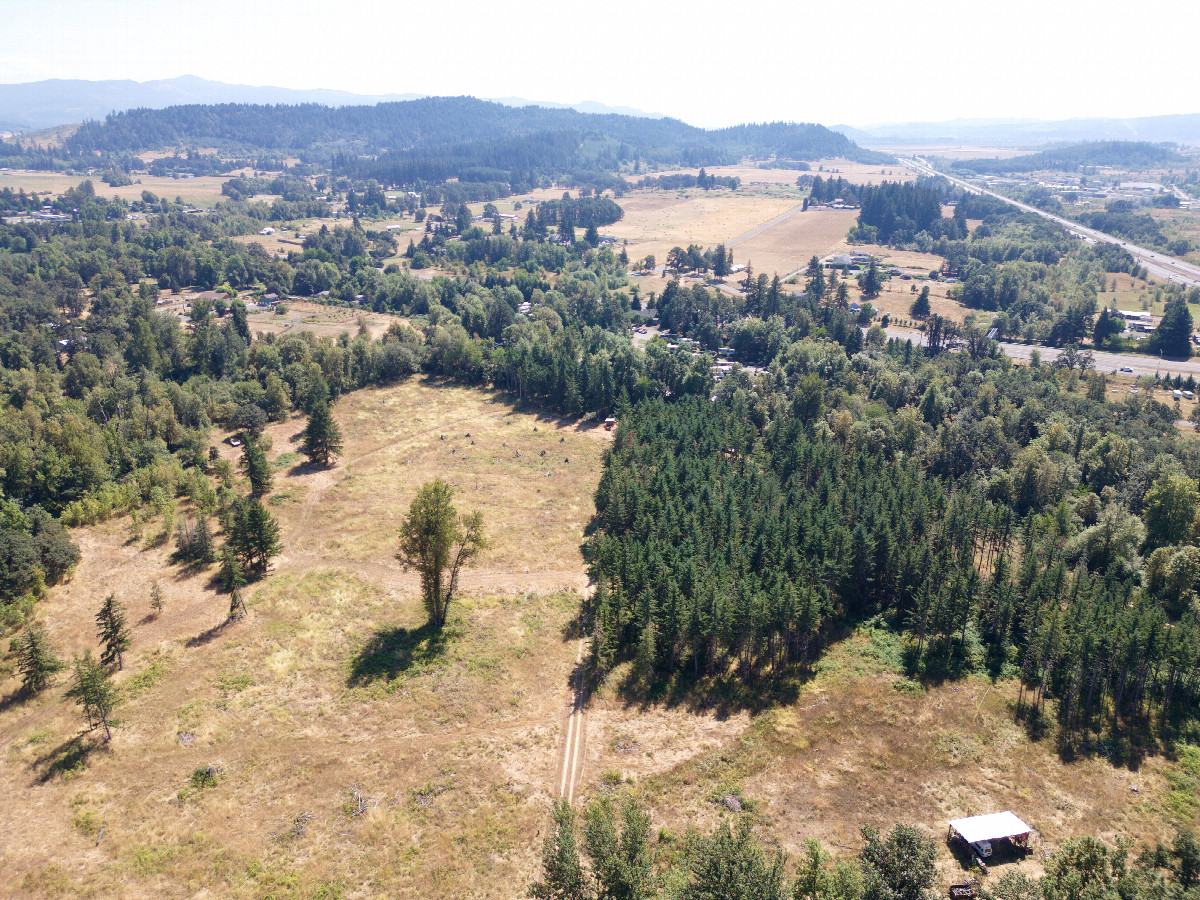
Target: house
839,261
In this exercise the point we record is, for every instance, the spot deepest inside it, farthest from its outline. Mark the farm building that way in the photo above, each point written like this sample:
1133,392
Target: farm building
977,834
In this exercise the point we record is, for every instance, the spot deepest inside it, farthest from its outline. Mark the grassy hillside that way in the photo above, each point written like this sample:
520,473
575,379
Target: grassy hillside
330,691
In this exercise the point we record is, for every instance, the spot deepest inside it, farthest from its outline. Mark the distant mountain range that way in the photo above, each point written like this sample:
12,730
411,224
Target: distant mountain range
1181,129
34,105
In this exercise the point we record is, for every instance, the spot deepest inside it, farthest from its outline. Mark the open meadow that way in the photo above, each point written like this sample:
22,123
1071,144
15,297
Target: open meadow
352,749
204,191
332,742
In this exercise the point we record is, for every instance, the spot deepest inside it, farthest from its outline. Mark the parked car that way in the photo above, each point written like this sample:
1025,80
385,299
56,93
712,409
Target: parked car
983,849
1127,369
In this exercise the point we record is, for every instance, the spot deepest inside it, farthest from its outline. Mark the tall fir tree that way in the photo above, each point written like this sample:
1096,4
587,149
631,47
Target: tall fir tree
94,691
255,466
322,439
36,660
113,632
254,537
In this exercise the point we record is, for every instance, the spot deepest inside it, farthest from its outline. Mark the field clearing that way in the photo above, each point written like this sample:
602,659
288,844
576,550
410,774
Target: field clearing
656,221
203,191
331,690
862,745
323,321
789,245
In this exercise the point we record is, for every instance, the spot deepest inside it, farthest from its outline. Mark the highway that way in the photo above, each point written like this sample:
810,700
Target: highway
1160,265
1103,362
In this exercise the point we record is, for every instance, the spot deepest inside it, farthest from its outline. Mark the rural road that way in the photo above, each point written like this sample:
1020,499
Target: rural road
570,767
1104,362
754,232
1158,264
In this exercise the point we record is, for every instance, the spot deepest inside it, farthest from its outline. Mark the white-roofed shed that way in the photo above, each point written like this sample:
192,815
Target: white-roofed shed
992,827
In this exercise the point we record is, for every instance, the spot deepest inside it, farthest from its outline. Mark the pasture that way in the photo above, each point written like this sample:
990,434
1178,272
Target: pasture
351,749
203,191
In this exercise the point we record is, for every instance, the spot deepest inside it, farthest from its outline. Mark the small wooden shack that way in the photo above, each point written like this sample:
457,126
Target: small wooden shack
609,423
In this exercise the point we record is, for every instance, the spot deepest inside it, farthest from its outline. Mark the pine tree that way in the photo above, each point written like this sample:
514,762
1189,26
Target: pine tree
35,658
232,574
156,599
562,873
255,466
870,284
94,691
920,307
202,542
254,537
113,632
322,439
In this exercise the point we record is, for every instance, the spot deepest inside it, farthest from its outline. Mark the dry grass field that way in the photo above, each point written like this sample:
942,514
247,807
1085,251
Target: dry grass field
203,192
323,321
359,754
863,745
355,753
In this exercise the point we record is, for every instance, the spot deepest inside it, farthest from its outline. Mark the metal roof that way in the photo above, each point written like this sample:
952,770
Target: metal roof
992,827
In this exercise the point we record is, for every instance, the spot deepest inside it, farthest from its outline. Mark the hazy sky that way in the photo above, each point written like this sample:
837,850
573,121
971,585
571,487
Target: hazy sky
853,61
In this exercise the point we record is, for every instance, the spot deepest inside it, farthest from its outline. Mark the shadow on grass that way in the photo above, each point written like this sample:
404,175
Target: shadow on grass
205,636
391,652
722,695
67,759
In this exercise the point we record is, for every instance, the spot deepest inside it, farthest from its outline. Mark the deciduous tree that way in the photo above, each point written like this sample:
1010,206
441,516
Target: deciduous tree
437,542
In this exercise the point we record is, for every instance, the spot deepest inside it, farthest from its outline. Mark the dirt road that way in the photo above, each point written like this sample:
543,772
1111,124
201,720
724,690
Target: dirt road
570,767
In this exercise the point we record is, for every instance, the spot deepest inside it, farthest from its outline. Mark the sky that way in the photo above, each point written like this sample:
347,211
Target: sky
855,62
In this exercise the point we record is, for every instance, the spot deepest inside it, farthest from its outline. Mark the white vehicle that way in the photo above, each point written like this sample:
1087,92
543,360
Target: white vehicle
1177,394
1188,395
983,849
1127,369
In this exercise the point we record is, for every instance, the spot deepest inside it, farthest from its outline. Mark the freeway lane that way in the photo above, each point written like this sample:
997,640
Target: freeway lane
1158,264
1104,362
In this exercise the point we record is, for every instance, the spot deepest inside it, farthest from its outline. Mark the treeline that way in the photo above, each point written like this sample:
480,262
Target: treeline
1120,154
826,190
438,139
683,180
111,401
582,212
610,849
1139,228
1003,518
896,212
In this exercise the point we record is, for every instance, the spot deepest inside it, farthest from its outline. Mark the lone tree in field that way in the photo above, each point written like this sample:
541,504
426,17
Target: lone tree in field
254,536
35,658
920,306
156,599
322,437
437,542
870,284
255,466
112,631
234,580
94,691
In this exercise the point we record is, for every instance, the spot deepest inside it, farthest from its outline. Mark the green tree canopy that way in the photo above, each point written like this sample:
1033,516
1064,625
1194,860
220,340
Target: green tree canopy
437,542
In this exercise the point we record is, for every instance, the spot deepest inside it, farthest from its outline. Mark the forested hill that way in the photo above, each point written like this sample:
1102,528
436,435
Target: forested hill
318,133
1126,154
